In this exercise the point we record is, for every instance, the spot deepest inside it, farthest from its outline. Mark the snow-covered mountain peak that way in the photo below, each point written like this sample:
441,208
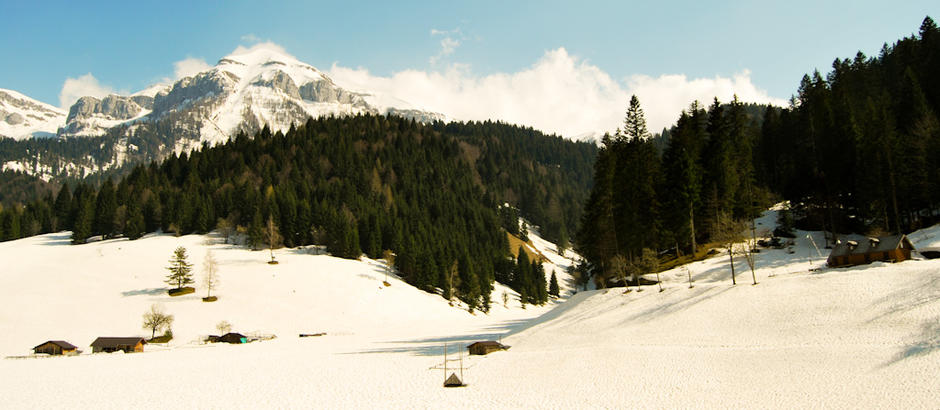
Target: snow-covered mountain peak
23,117
263,62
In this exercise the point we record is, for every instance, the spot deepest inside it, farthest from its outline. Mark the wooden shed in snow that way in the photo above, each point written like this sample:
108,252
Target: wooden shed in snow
113,344
234,338
893,248
486,347
56,347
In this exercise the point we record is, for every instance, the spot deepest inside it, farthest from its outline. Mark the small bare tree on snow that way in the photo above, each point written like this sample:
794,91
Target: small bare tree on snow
210,268
273,237
156,320
223,327
647,262
389,257
619,266
727,231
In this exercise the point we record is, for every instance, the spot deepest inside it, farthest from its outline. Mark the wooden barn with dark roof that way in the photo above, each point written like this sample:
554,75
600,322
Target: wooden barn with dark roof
234,338
487,347
893,248
56,347
113,344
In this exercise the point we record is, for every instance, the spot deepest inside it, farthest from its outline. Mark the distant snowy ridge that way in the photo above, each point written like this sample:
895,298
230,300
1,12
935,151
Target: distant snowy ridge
243,92
23,117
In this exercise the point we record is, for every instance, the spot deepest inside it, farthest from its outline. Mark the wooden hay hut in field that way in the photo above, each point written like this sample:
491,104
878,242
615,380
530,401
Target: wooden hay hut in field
113,344
453,381
893,248
234,338
487,347
55,348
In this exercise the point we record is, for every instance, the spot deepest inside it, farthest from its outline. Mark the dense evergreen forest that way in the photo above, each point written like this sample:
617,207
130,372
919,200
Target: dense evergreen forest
433,194
856,151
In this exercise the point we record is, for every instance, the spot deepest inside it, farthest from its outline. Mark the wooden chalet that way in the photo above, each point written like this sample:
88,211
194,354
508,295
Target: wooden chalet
234,338
113,344
487,347
893,248
56,347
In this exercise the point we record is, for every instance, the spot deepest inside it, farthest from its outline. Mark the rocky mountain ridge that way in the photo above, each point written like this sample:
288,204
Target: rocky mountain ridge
244,92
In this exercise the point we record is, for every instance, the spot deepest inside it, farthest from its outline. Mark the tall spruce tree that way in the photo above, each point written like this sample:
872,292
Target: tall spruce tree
180,269
105,209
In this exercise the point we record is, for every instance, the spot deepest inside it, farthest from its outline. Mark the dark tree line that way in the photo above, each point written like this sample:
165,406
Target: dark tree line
362,184
856,151
859,149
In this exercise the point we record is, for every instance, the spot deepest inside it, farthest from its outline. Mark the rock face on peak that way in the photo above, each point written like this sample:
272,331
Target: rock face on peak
90,116
278,80
195,90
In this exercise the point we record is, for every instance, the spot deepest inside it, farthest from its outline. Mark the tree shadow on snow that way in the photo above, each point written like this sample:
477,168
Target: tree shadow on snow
930,343
699,295
140,292
57,239
906,300
434,346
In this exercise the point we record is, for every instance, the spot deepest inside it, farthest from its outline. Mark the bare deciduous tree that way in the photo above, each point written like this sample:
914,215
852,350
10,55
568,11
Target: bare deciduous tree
619,266
272,236
648,262
727,231
389,257
223,327
156,319
210,277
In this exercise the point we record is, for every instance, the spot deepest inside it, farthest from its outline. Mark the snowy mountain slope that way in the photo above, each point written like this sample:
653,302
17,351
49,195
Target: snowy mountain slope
23,117
847,338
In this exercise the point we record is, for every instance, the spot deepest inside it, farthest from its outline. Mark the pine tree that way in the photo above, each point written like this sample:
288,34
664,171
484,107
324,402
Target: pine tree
180,269
62,208
83,220
105,209
553,286
256,231
135,224
634,123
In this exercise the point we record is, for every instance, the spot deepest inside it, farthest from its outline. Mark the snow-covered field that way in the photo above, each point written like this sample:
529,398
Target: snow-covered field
855,337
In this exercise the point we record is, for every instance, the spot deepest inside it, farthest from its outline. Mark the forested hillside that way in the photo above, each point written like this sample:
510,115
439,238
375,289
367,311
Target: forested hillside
856,151
363,184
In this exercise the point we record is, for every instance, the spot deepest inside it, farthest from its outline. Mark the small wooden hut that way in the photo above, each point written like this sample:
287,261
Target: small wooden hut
893,248
234,338
56,347
113,344
453,381
487,347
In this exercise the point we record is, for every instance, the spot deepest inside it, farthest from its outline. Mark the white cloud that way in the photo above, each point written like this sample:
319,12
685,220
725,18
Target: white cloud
665,96
266,45
448,44
560,93
83,86
251,38
189,66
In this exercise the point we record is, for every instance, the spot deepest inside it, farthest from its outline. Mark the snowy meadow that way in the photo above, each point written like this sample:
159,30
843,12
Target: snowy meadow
804,336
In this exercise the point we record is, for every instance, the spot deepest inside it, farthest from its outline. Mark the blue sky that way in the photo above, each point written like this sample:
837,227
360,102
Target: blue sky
126,46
